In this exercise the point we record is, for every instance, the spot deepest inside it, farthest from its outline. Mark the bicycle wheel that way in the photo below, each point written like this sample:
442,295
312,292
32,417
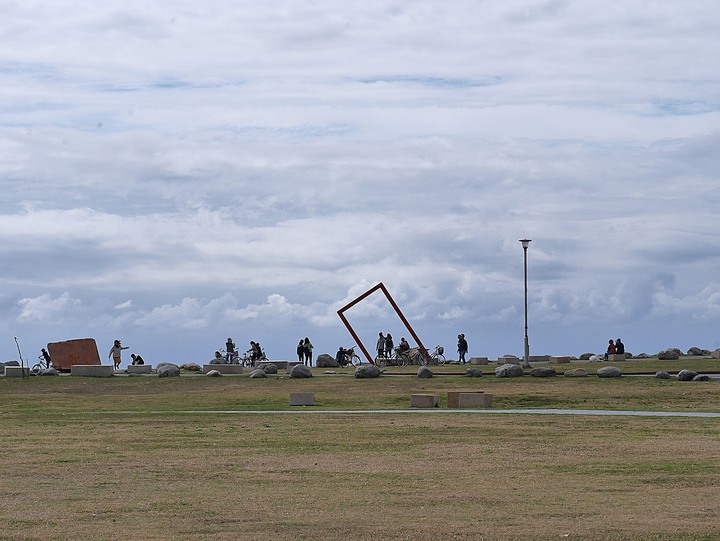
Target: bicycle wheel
440,359
355,360
37,368
380,361
421,359
401,359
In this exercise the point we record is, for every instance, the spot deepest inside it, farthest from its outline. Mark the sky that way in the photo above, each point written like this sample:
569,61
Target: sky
177,173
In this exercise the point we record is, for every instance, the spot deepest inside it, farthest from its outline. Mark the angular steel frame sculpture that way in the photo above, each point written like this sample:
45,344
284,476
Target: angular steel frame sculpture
392,302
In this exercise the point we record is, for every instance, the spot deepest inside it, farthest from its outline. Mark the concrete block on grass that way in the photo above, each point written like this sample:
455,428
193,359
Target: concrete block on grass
92,370
16,371
139,369
302,399
223,368
424,400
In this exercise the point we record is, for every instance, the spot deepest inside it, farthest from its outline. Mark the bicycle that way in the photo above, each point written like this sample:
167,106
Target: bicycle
350,357
40,365
436,357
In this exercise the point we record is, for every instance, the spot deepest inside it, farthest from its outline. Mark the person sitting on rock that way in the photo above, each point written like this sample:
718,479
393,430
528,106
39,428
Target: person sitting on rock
619,347
136,359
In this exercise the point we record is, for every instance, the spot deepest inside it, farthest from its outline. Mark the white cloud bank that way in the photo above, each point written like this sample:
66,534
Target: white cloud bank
174,174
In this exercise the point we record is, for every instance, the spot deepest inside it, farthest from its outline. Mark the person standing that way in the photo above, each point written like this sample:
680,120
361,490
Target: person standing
308,351
116,353
230,351
300,350
380,346
389,345
462,348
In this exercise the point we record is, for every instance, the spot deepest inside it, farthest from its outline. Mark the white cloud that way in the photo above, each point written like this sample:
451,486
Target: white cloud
45,308
203,168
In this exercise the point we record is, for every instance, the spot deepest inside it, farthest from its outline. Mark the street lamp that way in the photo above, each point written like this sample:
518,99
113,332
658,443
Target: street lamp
526,364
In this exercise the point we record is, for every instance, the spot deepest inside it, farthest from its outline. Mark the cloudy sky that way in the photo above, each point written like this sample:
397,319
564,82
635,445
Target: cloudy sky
174,173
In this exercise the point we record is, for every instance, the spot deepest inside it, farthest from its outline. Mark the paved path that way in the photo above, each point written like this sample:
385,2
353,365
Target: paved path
605,413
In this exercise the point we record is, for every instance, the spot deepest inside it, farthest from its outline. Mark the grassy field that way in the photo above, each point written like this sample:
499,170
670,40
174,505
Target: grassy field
123,458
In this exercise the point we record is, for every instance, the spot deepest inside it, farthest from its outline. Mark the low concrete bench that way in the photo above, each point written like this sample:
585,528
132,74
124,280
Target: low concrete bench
92,370
139,369
469,399
302,399
559,360
479,360
281,365
615,357
223,368
16,371
424,400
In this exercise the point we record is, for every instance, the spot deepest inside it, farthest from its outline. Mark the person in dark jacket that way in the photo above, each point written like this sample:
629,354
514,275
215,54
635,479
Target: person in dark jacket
462,348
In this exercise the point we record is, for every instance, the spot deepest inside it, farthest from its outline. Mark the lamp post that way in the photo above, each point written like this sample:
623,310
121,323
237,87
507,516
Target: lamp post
526,364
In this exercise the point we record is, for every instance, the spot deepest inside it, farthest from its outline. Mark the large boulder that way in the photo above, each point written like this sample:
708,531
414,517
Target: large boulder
701,377
213,373
424,372
609,372
269,368
191,367
258,373
48,372
367,371
642,356
668,355
300,371
686,375
473,373
576,373
697,352
661,374
325,361
168,370
543,372
508,370
586,356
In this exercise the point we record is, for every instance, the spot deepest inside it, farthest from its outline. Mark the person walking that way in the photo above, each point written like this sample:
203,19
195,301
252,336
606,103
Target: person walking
116,353
380,346
308,351
462,348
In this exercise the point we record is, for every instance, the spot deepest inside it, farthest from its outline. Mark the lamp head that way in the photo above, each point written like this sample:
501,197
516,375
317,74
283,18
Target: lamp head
525,243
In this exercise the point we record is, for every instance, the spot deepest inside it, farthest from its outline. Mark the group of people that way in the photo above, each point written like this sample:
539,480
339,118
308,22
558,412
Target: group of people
116,355
385,345
232,355
614,348
304,351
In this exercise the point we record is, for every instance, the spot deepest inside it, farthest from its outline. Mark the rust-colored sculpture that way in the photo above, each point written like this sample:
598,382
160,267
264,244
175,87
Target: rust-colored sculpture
392,302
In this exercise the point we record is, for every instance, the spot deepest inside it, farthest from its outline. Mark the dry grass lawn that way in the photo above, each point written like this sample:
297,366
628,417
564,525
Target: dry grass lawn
114,459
